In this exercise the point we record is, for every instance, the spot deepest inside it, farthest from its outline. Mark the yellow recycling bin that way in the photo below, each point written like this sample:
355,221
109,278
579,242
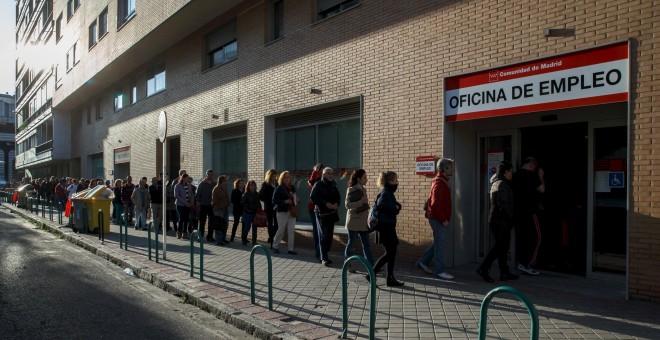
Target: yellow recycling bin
98,198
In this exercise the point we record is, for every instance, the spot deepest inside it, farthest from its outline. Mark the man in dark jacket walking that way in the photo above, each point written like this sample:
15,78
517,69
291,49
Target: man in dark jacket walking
326,199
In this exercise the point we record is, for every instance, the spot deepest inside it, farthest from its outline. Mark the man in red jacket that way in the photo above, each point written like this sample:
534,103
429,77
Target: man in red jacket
438,213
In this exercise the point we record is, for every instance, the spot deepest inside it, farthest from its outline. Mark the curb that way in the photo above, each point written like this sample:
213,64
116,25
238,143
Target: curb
229,314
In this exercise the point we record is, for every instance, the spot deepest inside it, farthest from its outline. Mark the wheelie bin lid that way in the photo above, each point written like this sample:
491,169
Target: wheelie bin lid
25,187
81,194
98,192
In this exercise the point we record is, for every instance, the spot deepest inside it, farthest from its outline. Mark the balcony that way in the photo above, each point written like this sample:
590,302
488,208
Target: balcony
48,146
36,114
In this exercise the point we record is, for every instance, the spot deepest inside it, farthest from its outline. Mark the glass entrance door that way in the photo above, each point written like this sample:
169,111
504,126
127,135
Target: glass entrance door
494,147
609,215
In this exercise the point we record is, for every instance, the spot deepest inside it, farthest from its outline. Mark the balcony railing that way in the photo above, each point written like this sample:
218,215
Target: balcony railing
36,114
45,147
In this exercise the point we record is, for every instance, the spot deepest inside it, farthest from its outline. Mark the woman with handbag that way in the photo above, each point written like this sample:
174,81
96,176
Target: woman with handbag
357,213
284,200
266,196
388,209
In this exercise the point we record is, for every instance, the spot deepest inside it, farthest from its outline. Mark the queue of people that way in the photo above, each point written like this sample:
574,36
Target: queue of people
191,207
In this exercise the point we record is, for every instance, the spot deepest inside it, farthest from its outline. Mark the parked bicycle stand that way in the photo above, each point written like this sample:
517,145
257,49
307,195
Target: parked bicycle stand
344,297
197,234
270,274
534,326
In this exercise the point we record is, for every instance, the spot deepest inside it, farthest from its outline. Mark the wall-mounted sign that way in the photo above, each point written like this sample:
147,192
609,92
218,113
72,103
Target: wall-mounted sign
123,155
425,165
595,76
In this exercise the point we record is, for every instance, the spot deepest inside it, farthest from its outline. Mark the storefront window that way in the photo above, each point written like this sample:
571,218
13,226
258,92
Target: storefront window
230,159
336,145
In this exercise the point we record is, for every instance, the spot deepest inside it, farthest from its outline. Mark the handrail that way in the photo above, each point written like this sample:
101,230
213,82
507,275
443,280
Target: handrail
534,324
270,274
344,293
198,234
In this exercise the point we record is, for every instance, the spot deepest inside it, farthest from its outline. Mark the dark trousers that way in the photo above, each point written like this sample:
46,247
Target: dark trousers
390,241
184,219
527,239
204,212
171,216
272,224
238,213
326,233
499,250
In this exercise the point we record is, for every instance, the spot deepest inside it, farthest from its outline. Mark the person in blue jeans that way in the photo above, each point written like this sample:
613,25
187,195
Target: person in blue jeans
438,212
313,178
357,213
250,203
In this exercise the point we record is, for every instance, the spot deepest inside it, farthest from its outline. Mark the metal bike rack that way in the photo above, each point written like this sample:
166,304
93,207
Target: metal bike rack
344,293
270,274
198,234
534,325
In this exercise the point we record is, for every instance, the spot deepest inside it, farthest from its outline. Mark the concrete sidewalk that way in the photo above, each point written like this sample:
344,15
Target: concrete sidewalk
307,297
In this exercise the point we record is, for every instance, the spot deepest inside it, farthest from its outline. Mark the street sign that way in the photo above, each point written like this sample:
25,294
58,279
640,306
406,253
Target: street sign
162,126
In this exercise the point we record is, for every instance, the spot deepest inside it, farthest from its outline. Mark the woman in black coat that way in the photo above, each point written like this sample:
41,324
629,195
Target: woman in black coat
388,209
266,196
237,206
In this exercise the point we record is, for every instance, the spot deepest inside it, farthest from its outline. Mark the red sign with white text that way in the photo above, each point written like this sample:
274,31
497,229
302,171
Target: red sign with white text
590,77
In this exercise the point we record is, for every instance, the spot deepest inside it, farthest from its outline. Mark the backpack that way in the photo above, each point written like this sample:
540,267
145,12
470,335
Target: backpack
373,215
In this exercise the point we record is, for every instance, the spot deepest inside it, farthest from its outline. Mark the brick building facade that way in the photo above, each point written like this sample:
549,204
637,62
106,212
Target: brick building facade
254,69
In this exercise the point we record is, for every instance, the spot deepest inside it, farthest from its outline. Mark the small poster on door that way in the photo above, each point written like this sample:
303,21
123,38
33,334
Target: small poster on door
494,158
602,181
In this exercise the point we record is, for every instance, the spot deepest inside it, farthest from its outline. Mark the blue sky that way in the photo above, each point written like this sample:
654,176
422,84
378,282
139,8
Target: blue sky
7,45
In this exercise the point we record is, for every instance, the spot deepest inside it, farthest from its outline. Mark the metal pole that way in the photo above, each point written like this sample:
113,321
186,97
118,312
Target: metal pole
164,199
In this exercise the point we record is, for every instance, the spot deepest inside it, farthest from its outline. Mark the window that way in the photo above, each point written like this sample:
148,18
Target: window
69,9
76,4
221,45
99,112
69,64
92,34
276,18
119,101
125,11
76,53
155,80
89,115
103,23
133,93
58,28
329,8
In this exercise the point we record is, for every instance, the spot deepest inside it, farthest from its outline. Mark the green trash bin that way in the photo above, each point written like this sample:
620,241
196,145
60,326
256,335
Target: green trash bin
23,193
98,198
79,210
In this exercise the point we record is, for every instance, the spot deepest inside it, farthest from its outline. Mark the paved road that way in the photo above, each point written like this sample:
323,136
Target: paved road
52,289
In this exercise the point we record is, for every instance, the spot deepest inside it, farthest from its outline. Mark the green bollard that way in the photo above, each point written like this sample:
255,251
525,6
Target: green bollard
198,234
534,327
344,295
148,239
270,274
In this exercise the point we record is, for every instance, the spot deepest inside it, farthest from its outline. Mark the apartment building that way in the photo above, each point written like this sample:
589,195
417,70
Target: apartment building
380,85
7,137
